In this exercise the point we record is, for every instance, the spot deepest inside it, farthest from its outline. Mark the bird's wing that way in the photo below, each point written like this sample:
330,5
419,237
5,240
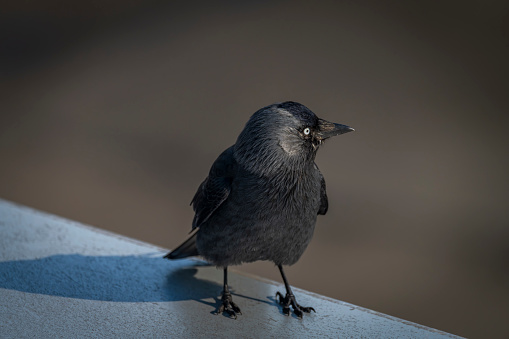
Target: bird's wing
214,190
324,202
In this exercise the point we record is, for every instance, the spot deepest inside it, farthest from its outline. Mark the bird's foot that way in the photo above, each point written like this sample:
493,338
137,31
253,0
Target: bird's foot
288,300
228,306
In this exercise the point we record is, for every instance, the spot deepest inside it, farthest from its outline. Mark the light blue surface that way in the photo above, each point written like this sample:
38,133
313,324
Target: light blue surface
59,278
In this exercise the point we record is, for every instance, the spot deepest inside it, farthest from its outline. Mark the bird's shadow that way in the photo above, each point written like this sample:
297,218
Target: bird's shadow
131,278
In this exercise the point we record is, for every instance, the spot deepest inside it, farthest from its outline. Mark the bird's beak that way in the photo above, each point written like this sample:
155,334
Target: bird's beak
329,129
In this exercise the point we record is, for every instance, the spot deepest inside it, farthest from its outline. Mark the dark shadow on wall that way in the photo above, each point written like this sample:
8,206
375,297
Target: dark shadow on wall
109,278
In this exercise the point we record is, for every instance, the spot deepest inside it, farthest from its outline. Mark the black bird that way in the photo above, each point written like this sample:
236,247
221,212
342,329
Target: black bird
262,196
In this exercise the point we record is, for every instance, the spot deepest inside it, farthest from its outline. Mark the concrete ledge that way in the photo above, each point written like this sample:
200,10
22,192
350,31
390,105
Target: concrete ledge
59,278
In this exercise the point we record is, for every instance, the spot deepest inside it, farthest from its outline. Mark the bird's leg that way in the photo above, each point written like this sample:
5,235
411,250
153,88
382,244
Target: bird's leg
227,304
289,299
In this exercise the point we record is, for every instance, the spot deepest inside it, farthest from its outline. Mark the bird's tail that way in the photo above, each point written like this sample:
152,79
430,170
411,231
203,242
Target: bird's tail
186,249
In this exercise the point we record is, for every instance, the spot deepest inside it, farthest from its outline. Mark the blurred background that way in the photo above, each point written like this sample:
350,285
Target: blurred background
112,112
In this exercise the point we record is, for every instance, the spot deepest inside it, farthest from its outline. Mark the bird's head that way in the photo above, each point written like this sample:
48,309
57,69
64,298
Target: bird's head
287,133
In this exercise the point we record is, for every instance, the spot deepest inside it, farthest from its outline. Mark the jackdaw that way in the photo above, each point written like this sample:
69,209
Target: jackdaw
262,196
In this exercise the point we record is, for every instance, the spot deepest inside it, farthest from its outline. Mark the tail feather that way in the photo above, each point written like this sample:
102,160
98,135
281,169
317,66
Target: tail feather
186,249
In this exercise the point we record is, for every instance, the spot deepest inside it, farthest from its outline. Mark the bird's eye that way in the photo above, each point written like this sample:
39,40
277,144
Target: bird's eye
307,131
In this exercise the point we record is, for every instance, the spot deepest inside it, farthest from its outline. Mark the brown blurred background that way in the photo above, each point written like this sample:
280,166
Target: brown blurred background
112,113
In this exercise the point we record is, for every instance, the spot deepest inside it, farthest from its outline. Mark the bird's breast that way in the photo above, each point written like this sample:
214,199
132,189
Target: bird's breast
263,219
285,197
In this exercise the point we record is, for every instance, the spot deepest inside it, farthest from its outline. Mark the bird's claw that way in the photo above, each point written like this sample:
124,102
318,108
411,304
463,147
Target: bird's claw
288,300
228,306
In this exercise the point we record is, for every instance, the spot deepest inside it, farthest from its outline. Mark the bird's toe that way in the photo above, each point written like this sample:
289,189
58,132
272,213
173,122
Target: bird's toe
228,306
307,309
289,300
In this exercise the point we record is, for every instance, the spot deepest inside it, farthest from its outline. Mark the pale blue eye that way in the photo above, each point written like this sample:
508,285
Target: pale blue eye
307,131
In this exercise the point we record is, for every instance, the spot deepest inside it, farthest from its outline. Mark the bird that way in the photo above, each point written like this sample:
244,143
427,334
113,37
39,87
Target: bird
261,198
